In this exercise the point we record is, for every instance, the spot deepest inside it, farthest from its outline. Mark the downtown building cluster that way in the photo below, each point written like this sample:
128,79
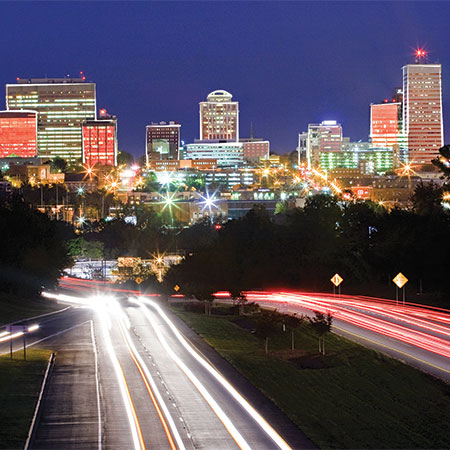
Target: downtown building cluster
406,128
57,118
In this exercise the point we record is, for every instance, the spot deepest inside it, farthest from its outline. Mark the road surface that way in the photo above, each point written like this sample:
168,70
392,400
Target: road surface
126,378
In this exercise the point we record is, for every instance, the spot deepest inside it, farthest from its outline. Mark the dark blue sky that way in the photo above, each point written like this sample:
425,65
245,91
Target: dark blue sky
288,63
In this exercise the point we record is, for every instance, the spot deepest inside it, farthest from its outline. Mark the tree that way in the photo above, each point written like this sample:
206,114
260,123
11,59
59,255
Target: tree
81,248
427,198
321,325
58,165
33,252
443,162
292,322
125,158
267,324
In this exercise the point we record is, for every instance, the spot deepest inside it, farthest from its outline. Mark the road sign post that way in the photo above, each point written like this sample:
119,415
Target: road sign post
336,279
400,280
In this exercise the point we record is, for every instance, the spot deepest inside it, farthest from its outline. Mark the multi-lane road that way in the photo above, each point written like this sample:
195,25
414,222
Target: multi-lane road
417,334
128,376
125,377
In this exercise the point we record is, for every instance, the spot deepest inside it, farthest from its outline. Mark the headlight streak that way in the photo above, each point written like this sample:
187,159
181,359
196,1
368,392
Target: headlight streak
136,431
12,336
265,426
152,388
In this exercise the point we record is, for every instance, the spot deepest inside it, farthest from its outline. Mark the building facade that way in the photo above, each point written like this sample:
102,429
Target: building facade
227,154
162,141
100,142
255,149
18,134
386,129
323,137
62,104
219,117
422,111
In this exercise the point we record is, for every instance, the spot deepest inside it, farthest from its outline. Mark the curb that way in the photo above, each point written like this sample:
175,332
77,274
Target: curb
37,410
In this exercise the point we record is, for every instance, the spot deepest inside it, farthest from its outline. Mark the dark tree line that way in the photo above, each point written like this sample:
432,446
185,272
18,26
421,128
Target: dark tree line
33,250
303,248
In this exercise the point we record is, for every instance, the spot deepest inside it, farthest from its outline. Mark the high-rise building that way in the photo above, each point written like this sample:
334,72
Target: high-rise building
323,137
162,141
62,104
100,142
422,111
386,129
219,117
18,134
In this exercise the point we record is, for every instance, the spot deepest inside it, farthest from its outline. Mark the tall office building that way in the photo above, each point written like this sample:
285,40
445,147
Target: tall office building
62,104
18,134
386,129
422,111
219,117
162,141
100,142
323,137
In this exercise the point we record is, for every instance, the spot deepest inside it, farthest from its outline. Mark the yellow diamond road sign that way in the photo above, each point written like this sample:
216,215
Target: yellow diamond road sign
336,280
176,288
400,280
139,280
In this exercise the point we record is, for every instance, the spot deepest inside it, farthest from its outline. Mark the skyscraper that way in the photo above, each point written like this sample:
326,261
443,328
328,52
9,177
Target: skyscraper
386,130
422,111
18,134
323,137
62,104
219,117
162,141
100,142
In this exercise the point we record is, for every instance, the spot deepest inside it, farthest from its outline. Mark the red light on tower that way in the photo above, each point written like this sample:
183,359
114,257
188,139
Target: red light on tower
102,112
420,53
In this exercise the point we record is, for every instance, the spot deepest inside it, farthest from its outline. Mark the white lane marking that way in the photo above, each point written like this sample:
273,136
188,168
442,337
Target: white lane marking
238,438
154,388
102,313
97,386
38,403
266,427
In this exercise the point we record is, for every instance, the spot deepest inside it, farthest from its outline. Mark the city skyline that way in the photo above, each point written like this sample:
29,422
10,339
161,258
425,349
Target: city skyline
141,79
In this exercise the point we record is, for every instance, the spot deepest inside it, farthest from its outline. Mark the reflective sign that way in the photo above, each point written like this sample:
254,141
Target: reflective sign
336,279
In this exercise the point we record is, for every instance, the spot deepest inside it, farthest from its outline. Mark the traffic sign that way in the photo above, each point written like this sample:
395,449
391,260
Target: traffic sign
139,280
336,279
400,280
176,288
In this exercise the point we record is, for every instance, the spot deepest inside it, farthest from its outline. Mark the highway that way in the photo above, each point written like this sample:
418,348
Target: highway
126,378
416,334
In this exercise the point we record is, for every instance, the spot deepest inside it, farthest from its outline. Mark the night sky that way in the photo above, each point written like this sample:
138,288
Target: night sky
287,63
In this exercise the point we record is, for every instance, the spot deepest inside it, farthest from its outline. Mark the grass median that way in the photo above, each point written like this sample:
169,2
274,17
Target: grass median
20,384
352,397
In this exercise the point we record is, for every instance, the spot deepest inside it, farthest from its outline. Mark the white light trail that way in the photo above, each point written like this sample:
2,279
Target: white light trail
153,386
265,426
131,413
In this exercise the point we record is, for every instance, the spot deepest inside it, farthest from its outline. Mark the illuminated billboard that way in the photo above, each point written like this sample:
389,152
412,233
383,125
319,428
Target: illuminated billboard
18,134
161,146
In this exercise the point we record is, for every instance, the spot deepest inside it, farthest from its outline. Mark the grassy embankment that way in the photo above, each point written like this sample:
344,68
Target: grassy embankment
20,384
351,398
14,308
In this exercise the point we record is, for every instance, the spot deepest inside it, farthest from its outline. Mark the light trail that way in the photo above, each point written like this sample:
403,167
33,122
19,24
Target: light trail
344,309
133,421
234,433
265,426
153,391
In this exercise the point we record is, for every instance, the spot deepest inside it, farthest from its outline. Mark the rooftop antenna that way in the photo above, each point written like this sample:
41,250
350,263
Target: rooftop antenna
252,136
